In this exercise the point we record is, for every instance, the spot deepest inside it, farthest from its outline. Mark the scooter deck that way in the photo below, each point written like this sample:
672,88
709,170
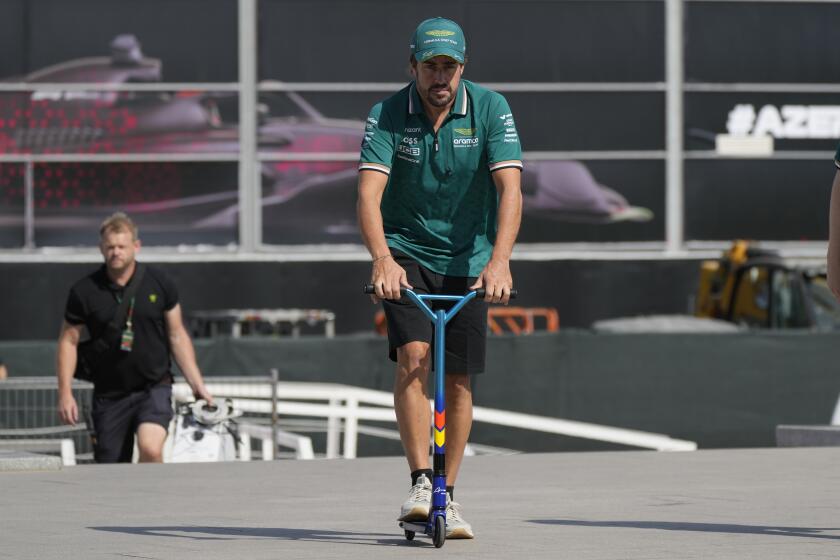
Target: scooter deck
415,526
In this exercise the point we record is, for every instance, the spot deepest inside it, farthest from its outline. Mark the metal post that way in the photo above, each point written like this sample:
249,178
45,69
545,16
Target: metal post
351,428
68,452
250,210
245,447
29,205
269,450
333,430
275,376
674,187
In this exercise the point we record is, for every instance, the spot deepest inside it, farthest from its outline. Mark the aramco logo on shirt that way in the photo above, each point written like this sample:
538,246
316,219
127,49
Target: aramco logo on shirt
464,142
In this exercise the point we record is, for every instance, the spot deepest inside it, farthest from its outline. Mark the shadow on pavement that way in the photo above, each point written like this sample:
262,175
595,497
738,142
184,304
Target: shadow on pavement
233,533
809,532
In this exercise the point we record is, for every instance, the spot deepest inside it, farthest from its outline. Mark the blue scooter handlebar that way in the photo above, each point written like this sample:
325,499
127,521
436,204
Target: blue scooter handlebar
479,293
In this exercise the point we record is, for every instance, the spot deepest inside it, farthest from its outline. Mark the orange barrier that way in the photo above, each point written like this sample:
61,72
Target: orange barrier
521,320
515,320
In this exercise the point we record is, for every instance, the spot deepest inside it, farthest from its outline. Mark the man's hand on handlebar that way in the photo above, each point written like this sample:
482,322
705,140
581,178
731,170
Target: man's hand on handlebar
387,277
496,281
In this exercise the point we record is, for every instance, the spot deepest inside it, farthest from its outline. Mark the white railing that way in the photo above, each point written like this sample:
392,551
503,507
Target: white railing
344,406
64,446
301,445
835,418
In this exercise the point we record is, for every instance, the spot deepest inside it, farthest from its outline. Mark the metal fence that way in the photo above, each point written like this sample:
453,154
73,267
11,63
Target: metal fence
29,418
344,408
276,412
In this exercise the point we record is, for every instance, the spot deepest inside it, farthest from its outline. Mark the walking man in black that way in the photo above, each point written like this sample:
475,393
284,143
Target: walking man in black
121,324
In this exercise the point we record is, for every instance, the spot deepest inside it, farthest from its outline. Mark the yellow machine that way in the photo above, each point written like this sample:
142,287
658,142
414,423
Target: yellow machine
754,287
717,281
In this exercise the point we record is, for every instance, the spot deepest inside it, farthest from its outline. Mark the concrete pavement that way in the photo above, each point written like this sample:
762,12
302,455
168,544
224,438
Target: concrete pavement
757,503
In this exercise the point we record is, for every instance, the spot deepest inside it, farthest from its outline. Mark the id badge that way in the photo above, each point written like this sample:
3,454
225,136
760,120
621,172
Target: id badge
127,341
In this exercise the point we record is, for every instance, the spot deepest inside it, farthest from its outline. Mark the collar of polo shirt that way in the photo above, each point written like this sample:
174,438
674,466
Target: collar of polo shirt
415,106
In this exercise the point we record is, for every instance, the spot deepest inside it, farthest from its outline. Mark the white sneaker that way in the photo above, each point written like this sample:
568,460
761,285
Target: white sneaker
416,507
456,525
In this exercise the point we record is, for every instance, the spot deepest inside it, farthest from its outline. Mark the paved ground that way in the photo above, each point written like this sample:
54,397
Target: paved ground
766,503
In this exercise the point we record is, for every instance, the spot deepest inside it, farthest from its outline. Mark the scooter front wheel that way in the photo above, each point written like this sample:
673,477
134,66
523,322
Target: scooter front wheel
439,533
409,535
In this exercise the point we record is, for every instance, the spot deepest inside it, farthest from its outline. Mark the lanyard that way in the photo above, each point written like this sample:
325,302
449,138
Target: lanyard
130,314
127,338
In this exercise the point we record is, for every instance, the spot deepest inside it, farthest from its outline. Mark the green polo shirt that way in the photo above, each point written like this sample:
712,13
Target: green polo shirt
440,204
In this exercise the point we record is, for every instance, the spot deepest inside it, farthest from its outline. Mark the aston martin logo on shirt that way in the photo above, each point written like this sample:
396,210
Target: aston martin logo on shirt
464,131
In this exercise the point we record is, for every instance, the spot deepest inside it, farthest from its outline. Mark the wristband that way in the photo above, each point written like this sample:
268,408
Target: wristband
379,258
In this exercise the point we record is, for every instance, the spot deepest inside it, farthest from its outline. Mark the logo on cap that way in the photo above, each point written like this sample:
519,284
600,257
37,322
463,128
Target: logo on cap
440,33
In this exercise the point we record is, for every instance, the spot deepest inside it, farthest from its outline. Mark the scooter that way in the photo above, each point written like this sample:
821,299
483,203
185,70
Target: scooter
435,526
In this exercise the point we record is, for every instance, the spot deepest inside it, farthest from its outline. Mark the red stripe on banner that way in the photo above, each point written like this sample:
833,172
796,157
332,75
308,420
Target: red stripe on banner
440,419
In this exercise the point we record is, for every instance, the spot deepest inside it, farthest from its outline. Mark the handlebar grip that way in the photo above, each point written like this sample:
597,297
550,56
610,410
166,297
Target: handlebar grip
481,292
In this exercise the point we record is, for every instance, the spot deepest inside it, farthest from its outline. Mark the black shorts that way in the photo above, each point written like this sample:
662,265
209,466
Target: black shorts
466,333
115,421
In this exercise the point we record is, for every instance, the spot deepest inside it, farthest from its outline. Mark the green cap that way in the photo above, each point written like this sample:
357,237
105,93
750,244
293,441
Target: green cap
438,36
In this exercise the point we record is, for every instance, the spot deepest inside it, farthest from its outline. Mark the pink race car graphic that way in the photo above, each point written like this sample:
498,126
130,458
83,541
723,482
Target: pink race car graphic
197,202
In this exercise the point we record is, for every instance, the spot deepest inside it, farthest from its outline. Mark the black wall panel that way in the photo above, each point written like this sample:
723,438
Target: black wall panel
757,199
508,41
529,41
762,42
196,40
13,32
582,291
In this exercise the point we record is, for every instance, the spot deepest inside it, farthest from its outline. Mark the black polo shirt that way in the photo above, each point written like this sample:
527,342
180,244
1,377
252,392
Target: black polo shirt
93,301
